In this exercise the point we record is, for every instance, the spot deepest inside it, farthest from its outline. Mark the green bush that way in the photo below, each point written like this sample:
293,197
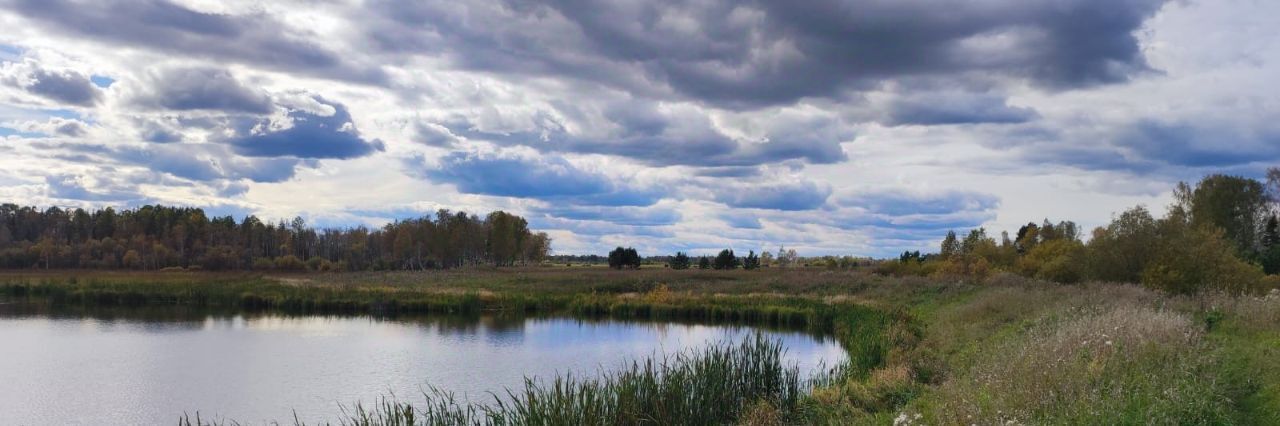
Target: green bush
263,264
1059,260
1192,260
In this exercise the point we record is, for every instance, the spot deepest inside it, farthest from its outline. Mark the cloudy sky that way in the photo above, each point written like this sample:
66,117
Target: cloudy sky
860,127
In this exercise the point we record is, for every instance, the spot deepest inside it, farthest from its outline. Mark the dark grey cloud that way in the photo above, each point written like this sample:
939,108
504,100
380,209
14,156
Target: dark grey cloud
767,52
903,216
1201,144
1170,148
787,196
171,28
923,226
200,162
552,179
68,87
742,220
65,86
208,162
729,171
200,89
942,108
622,215
310,134
71,128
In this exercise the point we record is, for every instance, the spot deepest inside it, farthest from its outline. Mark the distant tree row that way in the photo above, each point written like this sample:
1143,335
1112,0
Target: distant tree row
155,237
1220,234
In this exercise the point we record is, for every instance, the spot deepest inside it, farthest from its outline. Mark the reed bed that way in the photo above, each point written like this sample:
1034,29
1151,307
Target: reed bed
715,385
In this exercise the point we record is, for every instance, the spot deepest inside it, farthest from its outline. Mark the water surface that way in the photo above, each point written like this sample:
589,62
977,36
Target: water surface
104,369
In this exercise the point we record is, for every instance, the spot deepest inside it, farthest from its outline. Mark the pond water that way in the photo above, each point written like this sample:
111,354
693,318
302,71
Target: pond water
150,369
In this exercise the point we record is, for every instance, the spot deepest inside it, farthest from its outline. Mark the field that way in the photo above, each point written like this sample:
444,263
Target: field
1003,350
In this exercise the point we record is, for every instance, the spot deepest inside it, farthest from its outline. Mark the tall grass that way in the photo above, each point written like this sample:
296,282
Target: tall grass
1124,365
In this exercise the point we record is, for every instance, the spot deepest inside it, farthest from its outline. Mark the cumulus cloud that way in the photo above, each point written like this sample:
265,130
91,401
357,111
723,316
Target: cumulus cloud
903,203
524,176
55,126
201,162
183,89
67,87
318,129
671,135
622,215
742,220
251,38
83,188
789,196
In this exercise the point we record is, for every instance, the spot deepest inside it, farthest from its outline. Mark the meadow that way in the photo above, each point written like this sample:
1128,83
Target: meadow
1002,349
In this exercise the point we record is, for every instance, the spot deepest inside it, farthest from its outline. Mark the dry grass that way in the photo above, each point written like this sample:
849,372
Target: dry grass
1120,363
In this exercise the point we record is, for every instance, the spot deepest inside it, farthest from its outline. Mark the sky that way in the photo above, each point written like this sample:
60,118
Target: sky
855,127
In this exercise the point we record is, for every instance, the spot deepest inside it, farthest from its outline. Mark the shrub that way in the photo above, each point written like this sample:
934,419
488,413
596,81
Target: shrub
963,266
621,258
1191,260
263,263
726,260
680,261
1120,252
132,259
290,262
1058,260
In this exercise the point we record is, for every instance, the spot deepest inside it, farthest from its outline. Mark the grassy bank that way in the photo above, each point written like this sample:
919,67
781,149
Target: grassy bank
455,294
1005,349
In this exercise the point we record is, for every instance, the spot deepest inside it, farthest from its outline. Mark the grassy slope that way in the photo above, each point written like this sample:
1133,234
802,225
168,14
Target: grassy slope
930,352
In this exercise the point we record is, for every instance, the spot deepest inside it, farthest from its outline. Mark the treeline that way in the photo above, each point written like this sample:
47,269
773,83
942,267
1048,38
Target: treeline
158,237
1221,234
629,258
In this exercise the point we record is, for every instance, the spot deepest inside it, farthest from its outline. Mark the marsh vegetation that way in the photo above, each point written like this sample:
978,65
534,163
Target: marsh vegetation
922,350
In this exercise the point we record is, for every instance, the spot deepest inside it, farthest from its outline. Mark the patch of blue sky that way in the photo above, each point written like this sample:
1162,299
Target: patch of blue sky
6,132
9,53
62,113
102,81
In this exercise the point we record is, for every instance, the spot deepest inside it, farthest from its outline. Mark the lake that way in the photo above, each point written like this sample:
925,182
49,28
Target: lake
94,368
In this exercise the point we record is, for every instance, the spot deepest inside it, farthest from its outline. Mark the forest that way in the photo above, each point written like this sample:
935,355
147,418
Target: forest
158,237
1221,234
